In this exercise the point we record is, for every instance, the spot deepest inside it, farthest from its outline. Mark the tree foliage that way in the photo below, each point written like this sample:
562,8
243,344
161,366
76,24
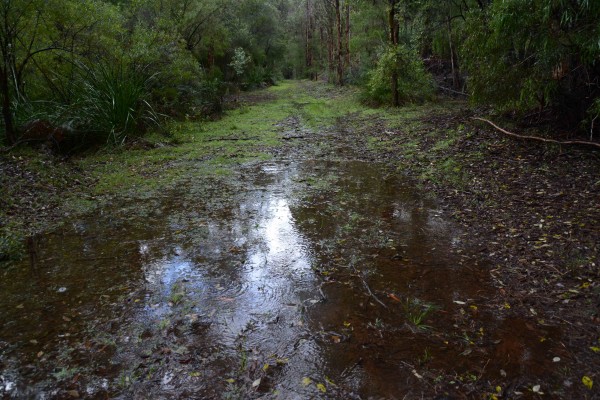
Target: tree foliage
536,53
178,58
85,64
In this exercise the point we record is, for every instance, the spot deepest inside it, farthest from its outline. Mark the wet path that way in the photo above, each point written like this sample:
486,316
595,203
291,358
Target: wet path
286,280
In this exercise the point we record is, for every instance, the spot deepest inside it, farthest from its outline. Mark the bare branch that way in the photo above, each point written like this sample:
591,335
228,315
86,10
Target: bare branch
539,139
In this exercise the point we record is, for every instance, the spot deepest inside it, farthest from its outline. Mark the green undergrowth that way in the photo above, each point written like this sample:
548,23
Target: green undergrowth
243,135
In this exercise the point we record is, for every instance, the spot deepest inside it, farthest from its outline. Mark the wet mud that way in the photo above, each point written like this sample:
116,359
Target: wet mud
288,279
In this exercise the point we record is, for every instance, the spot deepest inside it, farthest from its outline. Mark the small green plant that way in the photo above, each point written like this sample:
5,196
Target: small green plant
425,358
417,311
64,373
378,324
243,358
176,298
163,324
177,294
124,380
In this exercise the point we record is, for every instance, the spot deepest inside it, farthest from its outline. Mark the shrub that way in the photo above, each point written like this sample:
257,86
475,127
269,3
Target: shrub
414,83
11,243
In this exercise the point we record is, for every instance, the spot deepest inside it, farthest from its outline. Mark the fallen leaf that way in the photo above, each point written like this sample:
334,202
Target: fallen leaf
347,324
595,349
256,383
265,367
336,339
394,297
536,388
230,380
588,382
194,374
321,387
306,381
330,381
461,303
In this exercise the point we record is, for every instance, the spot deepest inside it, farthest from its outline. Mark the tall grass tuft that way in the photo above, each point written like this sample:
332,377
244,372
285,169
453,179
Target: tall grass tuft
112,102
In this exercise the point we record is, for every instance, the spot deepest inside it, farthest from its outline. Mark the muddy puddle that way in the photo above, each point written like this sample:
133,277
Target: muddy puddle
285,280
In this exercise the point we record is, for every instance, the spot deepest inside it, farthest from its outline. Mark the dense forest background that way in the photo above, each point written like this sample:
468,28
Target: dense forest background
102,71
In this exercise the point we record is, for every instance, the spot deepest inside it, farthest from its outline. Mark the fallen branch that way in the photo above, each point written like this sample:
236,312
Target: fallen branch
539,139
231,139
292,137
454,91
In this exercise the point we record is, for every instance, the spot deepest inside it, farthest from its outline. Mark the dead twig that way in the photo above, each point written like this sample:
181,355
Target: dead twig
323,297
368,288
539,139
348,370
371,293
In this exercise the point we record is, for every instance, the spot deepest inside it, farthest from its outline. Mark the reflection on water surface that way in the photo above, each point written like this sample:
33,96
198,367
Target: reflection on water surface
292,280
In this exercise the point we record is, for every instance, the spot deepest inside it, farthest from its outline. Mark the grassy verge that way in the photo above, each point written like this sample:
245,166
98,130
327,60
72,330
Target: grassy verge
40,190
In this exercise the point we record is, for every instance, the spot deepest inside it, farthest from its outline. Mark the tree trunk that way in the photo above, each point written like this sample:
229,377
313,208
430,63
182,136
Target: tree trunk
394,40
211,57
347,34
309,36
9,129
320,59
455,72
330,56
338,53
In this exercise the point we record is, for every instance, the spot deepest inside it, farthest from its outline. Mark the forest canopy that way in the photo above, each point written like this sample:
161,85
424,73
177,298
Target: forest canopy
103,71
